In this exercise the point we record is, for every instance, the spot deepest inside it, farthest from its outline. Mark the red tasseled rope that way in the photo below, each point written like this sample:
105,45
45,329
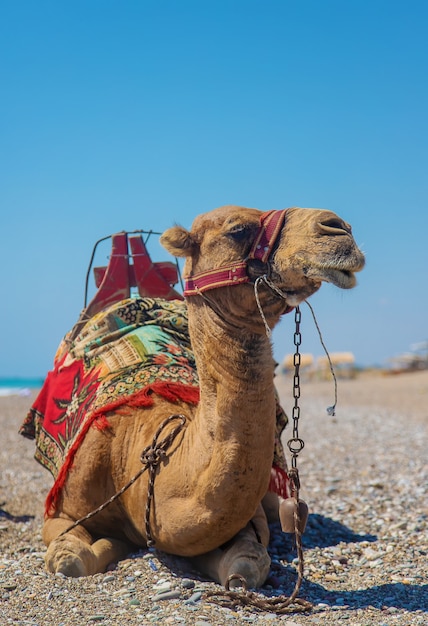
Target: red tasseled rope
173,392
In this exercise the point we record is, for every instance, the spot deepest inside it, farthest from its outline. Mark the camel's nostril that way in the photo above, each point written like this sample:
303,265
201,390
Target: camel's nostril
334,226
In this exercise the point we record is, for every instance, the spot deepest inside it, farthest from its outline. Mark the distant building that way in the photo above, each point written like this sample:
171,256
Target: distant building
343,365
319,368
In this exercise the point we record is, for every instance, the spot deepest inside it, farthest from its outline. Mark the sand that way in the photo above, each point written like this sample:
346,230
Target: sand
364,474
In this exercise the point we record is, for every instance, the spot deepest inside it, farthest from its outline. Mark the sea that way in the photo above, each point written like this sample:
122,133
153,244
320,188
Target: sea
17,386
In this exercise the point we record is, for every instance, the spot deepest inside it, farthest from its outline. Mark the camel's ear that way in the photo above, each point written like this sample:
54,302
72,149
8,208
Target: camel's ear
178,241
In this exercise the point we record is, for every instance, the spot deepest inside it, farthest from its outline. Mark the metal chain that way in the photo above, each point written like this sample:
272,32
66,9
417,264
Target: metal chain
295,444
279,604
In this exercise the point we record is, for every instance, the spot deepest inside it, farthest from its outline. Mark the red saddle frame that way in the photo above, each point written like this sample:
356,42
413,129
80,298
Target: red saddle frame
115,281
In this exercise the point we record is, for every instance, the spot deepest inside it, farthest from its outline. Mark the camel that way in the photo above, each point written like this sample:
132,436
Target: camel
243,270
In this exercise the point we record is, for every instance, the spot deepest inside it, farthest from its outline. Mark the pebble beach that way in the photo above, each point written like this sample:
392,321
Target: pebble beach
364,475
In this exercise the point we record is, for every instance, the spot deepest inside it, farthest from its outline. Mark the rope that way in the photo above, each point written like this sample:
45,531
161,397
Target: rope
331,410
151,458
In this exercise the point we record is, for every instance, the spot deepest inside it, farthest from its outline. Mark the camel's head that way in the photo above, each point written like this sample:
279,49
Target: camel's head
303,248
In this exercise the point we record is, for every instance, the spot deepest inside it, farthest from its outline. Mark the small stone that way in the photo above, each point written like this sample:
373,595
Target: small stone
124,591
167,595
195,597
162,586
371,554
109,578
111,567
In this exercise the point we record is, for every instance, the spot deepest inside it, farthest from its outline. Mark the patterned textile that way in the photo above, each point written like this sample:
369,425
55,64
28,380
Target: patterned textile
131,347
123,355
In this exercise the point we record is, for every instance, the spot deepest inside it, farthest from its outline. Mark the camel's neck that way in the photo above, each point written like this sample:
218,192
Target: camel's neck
235,368
218,474
236,415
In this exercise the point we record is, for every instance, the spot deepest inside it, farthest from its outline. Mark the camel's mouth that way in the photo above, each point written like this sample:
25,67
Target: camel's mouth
344,279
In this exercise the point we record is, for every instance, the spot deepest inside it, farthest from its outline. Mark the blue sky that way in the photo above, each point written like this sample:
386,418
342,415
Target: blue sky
140,114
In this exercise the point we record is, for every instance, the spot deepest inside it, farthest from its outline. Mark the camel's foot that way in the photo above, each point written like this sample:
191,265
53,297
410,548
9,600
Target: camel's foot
72,557
246,559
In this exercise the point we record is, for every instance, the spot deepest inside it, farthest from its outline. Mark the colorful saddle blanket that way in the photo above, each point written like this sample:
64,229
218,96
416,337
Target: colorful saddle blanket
122,356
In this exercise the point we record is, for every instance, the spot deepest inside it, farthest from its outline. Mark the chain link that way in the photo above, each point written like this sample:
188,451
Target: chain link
296,444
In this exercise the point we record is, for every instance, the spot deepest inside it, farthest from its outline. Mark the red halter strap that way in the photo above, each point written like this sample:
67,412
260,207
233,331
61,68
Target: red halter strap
271,224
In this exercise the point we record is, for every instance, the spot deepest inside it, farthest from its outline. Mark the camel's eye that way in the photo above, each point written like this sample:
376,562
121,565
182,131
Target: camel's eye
240,232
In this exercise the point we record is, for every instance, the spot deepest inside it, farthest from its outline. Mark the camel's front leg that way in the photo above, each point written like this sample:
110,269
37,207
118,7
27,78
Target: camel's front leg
243,556
76,553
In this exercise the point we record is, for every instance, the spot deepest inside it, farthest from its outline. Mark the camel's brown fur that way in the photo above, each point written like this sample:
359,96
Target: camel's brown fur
218,468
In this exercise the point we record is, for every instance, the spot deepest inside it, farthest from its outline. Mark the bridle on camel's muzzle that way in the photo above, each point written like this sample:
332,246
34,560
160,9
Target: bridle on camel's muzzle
236,273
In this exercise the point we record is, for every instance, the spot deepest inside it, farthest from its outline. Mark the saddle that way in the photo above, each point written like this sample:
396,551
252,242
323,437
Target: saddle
130,266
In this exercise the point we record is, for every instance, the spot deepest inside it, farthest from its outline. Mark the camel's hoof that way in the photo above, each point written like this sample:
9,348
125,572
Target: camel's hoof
249,561
254,573
71,566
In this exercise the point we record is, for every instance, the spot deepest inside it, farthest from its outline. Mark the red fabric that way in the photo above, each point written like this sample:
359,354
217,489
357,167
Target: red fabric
279,482
170,391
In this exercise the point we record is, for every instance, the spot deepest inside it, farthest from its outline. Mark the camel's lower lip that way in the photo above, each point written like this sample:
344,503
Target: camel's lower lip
341,278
